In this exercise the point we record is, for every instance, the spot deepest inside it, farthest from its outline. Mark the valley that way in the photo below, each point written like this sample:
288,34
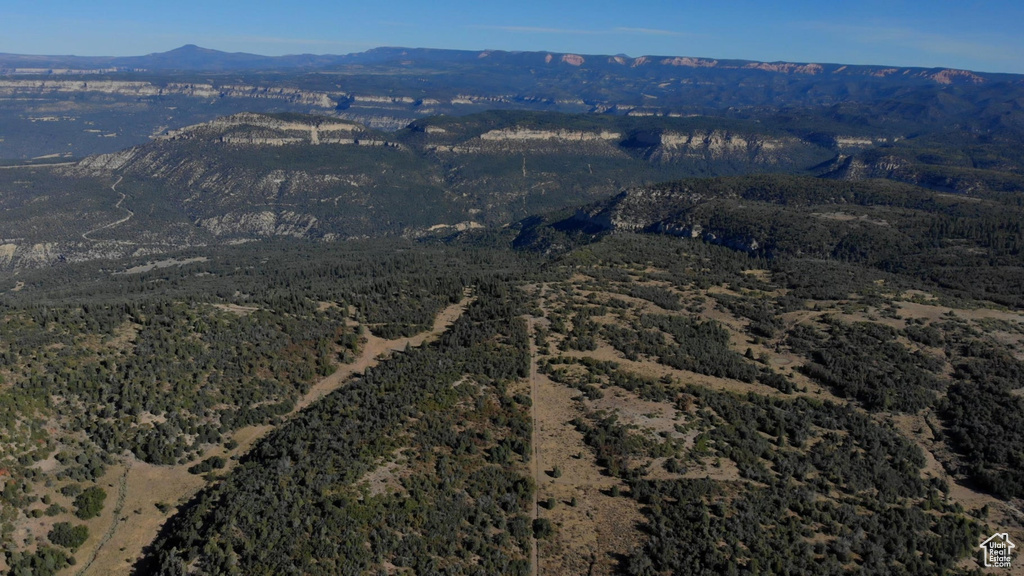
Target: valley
447,312
252,176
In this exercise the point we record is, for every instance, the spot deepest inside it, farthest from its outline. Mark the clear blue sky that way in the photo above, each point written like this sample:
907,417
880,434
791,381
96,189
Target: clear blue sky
979,35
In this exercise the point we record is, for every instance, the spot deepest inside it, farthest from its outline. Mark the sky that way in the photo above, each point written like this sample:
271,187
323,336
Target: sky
976,35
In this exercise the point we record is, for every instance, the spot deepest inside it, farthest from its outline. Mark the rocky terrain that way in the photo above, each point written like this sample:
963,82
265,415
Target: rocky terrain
250,176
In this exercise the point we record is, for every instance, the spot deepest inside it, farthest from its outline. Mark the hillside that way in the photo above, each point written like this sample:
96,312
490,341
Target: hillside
600,403
968,245
621,363
252,176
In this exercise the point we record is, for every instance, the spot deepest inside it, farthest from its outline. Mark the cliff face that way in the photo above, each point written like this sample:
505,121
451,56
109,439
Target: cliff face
644,209
249,176
468,136
945,177
521,134
664,146
675,212
724,145
260,224
208,161
245,127
136,89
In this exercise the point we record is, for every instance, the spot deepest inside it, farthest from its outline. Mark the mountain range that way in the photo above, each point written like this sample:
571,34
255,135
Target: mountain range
195,58
76,106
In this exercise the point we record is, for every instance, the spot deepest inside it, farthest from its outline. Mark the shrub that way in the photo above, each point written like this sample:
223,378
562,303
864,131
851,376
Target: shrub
542,528
89,503
63,534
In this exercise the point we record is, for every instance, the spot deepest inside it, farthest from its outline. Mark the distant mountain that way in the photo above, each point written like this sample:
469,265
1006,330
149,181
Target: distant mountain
192,57
107,104
188,57
195,58
653,64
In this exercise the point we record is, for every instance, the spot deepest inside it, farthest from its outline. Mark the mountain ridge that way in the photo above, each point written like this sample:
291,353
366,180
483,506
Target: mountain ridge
250,176
387,88
196,58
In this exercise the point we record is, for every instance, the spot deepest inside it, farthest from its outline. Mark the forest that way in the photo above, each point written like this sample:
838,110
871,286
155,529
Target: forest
758,411
461,508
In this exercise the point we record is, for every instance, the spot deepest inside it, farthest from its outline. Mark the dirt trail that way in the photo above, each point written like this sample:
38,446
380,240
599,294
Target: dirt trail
1003,515
595,533
374,347
115,520
85,235
534,440
147,484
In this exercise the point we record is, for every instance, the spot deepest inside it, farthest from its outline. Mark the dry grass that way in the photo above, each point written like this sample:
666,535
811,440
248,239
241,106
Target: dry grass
657,419
593,535
719,469
652,369
386,478
1004,516
140,520
37,528
567,554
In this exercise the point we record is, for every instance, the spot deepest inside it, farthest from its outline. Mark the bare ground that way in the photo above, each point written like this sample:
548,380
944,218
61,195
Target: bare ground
1003,516
593,536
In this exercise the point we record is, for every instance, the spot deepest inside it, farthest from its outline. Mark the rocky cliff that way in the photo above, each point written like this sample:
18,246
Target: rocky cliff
137,89
248,176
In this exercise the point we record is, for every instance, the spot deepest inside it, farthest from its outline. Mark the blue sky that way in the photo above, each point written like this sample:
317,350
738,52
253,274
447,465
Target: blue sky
978,35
